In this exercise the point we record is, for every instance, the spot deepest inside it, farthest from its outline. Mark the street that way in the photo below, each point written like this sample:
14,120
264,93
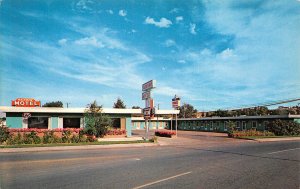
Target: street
193,160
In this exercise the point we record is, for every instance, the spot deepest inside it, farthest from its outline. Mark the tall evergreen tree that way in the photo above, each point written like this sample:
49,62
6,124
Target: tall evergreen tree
119,104
96,123
54,104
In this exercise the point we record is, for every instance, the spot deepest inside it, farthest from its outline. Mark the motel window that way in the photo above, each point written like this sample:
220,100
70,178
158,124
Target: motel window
266,124
254,124
244,125
116,122
73,122
238,124
225,126
38,122
211,125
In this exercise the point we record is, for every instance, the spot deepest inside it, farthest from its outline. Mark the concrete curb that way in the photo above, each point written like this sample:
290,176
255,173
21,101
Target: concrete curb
277,139
271,139
82,147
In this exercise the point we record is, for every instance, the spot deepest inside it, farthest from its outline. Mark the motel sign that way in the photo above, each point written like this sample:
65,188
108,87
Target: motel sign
25,102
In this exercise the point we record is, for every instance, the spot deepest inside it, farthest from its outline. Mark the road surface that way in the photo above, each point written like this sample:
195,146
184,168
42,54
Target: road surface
191,161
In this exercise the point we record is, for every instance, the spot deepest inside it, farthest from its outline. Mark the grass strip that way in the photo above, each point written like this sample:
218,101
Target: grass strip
73,144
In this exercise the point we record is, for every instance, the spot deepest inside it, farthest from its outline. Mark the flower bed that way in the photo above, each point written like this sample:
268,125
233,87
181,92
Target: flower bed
243,134
116,132
46,136
75,130
49,136
41,132
165,133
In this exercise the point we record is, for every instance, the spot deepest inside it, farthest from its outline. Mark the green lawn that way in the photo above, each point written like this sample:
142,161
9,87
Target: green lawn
73,144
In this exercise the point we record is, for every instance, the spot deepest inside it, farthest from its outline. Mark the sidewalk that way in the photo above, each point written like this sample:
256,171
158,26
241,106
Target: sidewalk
120,139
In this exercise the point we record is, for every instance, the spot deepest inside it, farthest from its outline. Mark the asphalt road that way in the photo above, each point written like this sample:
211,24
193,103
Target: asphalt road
191,161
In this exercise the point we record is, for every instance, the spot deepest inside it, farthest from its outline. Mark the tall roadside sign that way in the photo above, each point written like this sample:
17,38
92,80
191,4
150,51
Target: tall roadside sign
148,111
175,105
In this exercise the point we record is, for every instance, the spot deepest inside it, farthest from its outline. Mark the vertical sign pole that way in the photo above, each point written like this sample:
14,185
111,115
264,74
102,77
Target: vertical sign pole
176,124
146,129
149,126
171,122
157,116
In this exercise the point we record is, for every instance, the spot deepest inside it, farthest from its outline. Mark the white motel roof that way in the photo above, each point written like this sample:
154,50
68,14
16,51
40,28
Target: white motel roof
12,109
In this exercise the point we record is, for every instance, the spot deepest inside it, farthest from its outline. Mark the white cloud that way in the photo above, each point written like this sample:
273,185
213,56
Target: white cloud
179,19
163,23
169,43
62,41
193,29
89,41
170,91
110,11
181,61
226,54
174,10
83,5
89,64
122,12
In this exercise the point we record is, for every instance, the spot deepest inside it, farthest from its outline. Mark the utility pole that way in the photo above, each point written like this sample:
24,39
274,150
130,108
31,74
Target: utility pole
68,104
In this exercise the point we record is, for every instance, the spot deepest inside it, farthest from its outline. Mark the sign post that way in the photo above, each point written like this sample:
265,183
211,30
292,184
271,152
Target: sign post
175,105
149,103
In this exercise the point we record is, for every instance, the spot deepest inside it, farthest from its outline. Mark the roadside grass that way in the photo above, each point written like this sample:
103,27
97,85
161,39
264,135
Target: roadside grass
73,144
262,137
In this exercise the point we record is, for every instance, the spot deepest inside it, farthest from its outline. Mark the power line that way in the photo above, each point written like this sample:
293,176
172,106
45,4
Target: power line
270,103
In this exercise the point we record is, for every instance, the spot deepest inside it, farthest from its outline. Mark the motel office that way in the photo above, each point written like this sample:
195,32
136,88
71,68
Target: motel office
52,118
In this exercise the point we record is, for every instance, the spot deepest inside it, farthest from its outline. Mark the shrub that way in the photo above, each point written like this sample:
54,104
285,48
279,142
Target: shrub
4,134
75,139
231,128
283,127
49,137
66,136
17,139
153,139
165,133
241,134
31,138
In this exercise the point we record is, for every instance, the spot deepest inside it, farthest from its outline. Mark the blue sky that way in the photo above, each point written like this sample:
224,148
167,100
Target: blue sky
214,54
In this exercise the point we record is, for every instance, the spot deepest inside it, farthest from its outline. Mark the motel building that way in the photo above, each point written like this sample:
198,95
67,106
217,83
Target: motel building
27,113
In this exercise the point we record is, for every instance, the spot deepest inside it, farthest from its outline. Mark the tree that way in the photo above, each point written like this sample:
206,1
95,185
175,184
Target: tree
54,104
231,127
96,123
284,127
119,104
187,111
